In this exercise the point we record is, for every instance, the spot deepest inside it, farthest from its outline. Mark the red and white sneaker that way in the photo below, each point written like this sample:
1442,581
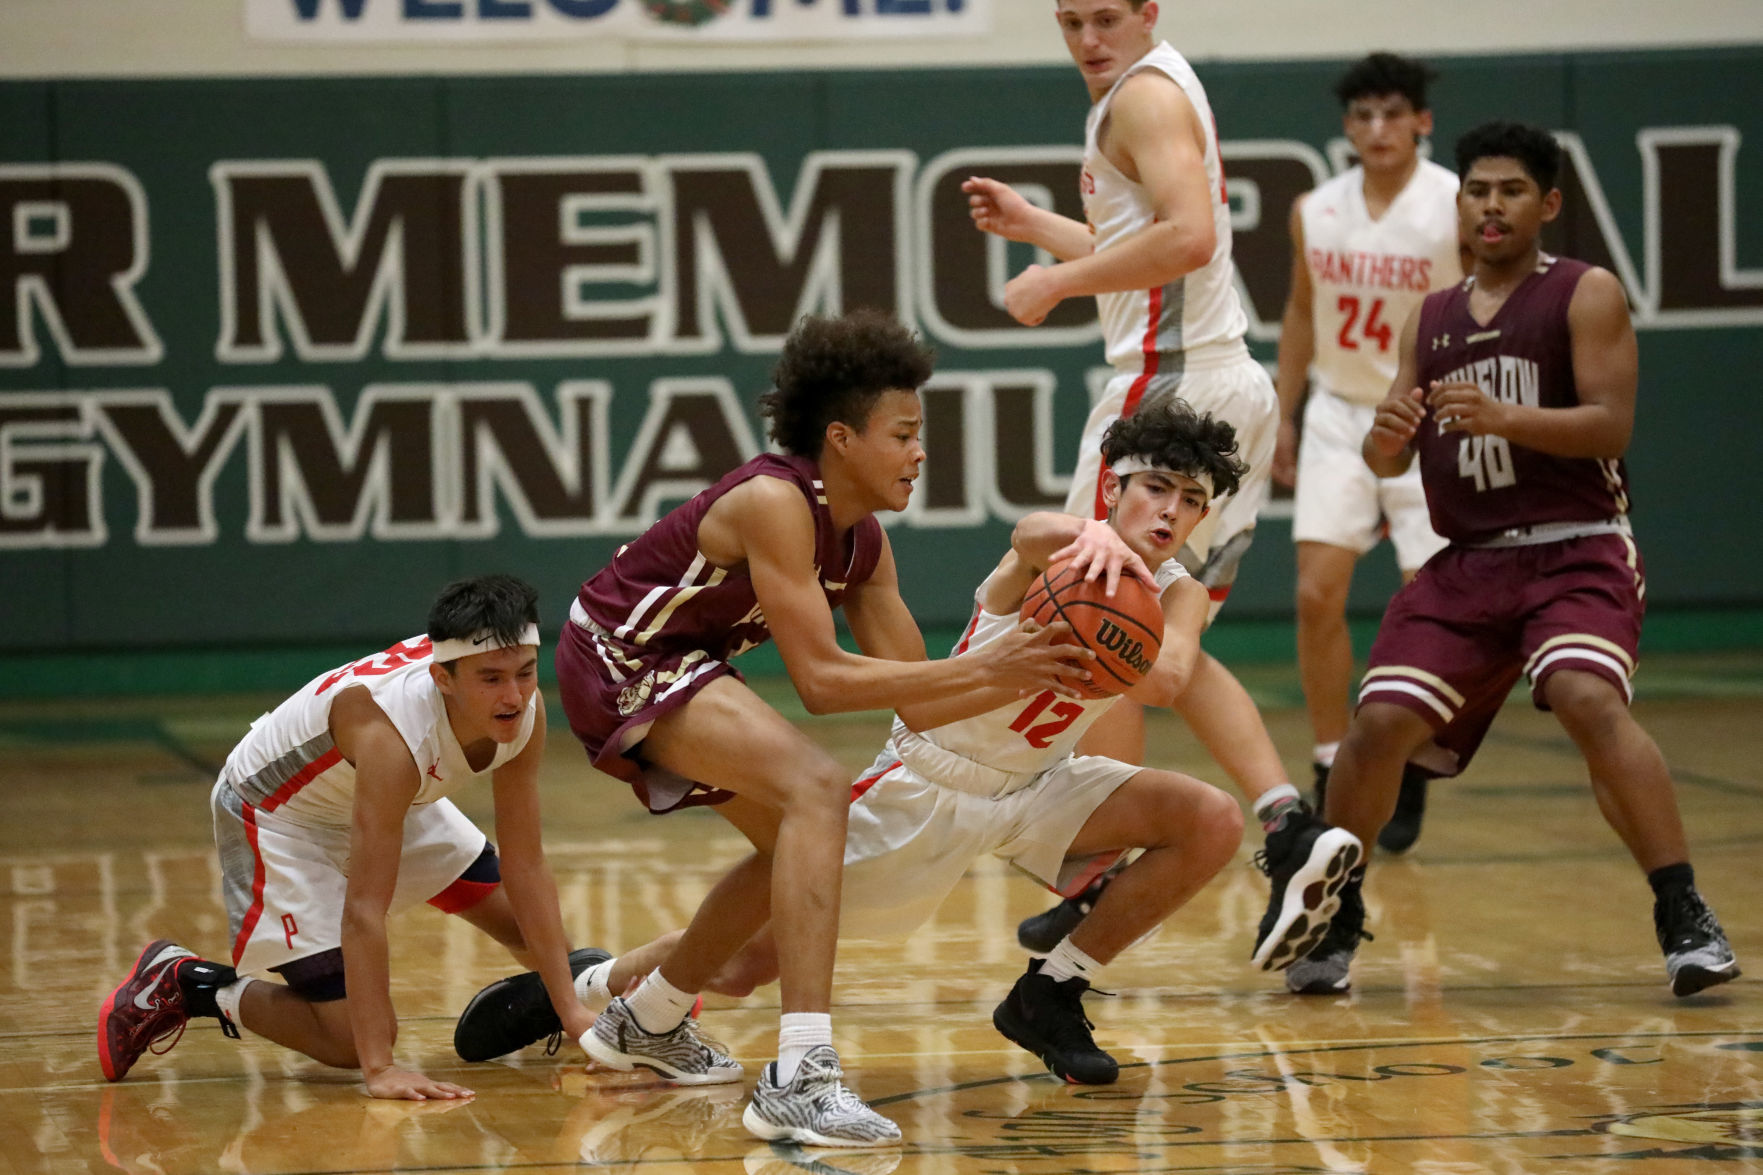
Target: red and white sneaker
145,1009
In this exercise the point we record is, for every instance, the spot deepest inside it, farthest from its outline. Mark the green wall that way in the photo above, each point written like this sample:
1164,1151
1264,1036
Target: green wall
278,357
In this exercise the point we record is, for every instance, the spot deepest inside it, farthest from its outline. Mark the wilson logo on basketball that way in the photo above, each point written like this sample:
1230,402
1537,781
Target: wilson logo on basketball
1117,641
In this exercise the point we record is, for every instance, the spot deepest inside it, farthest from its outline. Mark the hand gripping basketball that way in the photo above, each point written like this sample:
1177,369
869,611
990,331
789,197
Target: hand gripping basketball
1125,631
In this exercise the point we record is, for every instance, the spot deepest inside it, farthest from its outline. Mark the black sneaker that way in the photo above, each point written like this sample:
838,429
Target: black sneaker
1308,863
1324,971
1042,932
1697,955
1399,835
1046,1017
514,1012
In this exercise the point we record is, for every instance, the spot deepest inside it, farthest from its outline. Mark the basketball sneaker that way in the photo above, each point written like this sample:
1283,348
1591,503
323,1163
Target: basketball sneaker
680,1055
1046,1017
151,1005
1042,932
514,1012
815,1108
1308,862
1324,970
1399,835
1697,955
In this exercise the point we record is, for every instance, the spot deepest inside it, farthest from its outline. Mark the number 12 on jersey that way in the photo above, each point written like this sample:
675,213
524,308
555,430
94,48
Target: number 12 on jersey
1373,328
1042,736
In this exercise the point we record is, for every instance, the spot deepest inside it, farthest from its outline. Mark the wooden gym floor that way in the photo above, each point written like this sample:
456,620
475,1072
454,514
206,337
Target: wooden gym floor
1511,1015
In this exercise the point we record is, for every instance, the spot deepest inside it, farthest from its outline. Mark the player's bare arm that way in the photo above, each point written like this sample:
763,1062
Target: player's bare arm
1095,548
1001,210
767,525
1297,349
883,627
1155,138
1389,447
527,878
1186,606
386,783
1606,369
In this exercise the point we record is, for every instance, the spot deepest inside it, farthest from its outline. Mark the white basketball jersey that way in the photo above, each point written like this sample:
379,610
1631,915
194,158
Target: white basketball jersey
1196,310
1367,276
288,763
1029,735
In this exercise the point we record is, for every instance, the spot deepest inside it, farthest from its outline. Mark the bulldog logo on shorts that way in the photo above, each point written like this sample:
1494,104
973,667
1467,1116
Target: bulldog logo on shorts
635,696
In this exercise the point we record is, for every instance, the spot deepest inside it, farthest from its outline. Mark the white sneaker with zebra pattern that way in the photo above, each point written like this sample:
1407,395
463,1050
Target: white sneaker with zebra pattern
815,1109
682,1056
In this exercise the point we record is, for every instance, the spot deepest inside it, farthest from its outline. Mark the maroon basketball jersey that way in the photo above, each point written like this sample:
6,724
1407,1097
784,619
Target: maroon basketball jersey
1477,487
661,594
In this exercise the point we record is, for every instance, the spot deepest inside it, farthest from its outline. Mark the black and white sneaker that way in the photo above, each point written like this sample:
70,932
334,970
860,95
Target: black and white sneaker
1325,970
1042,932
681,1055
815,1108
1308,863
1046,1017
1697,955
514,1012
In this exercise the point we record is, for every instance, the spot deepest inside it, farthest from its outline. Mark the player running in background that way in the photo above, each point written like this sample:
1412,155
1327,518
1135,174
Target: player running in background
1367,246
1156,255
1516,390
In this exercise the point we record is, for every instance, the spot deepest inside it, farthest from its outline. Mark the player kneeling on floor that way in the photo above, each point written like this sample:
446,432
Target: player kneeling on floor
994,772
332,812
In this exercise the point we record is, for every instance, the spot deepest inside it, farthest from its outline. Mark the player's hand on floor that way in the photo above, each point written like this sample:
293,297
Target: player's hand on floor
395,1083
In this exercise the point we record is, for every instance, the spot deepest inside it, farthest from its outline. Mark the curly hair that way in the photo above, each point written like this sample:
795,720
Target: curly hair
835,369
1534,148
501,603
1385,73
1170,434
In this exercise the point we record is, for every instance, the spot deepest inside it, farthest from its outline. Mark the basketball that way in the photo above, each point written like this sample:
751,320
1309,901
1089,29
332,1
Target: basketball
1125,632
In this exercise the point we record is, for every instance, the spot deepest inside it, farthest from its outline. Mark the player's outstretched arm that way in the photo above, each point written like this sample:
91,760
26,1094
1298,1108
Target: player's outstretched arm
775,533
1156,132
532,890
1297,349
1389,447
1001,210
386,781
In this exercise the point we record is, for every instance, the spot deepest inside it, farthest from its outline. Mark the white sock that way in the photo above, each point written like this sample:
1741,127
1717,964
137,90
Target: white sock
659,1006
797,1032
227,999
591,985
1322,754
1271,799
1067,962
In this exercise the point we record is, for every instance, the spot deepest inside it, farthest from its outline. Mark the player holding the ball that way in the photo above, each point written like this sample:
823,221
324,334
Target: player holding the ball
994,771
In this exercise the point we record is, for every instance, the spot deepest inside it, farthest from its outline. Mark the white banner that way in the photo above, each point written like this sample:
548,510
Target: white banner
649,20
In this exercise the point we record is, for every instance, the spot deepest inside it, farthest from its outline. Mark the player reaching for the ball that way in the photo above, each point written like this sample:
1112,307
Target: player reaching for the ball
994,771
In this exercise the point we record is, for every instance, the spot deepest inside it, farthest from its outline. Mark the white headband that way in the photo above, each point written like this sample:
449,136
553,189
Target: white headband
482,641
1127,466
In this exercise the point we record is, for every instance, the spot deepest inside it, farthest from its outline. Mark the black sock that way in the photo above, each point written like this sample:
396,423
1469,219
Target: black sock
1671,877
198,980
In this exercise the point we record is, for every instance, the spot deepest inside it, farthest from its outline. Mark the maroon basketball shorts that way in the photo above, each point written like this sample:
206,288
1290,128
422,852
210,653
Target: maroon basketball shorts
613,693
1455,640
